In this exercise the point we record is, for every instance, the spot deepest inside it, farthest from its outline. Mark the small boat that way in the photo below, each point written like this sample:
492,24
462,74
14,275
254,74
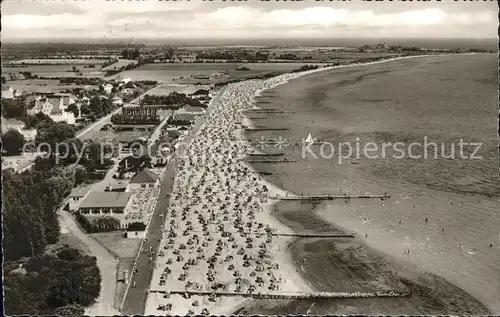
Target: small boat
309,139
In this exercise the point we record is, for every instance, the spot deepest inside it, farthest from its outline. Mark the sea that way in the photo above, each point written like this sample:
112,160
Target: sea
439,232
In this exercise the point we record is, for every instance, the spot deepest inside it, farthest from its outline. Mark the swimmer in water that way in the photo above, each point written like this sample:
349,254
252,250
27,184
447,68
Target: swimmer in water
400,221
414,206
366,235
426,220
491,245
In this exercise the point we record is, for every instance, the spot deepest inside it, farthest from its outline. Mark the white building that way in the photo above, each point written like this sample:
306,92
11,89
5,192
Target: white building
76,197
107,88
54,107
7,93
144,179
194,110
128,91
185,57
105,203
19,126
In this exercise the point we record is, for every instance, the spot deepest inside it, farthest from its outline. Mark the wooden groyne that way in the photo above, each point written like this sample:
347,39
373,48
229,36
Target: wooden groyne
288,295
266,129
330,197
271,161
265,173
265,154
269,111
315,235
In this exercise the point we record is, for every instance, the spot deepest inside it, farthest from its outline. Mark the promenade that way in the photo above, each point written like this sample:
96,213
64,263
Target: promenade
134,301
135,297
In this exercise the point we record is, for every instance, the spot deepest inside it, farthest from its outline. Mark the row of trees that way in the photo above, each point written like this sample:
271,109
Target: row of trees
131,53
305,68
31,200
103,224
173,98
97,107
137,119
60,284
80,80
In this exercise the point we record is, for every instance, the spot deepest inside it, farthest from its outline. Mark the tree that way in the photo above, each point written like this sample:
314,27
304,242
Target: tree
80,174
38,121
55,134
13,142
73,108
70,310
14,108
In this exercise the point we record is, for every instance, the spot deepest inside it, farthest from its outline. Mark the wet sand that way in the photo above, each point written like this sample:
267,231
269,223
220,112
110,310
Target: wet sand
350,265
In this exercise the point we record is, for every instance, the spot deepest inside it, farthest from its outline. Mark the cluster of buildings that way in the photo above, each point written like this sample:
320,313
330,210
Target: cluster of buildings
55,106
19,126
116,200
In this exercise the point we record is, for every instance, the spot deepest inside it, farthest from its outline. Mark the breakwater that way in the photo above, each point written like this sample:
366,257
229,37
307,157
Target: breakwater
289,295
266,154
330,197
271,161
315,235
266,129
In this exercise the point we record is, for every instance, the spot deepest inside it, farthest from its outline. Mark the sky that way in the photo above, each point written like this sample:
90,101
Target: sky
155,19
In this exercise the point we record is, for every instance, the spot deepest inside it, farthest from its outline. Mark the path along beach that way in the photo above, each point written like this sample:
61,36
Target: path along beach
218,233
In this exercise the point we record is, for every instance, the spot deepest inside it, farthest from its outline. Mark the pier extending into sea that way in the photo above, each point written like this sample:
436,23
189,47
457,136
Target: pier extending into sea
329,197
266,129
266,154
288,295
272,161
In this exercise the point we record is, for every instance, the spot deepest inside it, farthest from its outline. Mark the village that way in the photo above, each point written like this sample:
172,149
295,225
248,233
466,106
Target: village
138,131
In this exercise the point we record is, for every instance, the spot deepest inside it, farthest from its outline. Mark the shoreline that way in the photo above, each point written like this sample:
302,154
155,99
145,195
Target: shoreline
323,206
239,97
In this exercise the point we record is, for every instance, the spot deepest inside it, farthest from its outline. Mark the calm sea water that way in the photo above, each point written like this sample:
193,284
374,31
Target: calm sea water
445,99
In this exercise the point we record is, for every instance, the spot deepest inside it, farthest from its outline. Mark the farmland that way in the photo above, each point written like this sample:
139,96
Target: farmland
183,89
204,73
55,70
121,63
56,61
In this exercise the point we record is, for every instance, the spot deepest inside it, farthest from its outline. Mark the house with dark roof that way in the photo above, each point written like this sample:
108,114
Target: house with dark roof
136,230
144,179
105,203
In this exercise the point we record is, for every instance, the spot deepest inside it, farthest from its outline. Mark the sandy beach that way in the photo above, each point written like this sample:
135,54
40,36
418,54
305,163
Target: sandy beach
220,204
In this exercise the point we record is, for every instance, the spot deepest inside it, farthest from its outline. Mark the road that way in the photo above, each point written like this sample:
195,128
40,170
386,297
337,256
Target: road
106,119
107,264
136,297
96,125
